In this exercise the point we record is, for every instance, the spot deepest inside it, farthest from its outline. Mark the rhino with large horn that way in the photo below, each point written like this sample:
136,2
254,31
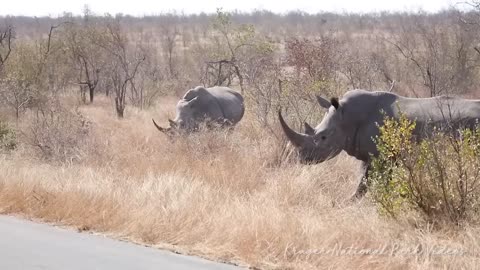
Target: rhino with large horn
215,105
352,122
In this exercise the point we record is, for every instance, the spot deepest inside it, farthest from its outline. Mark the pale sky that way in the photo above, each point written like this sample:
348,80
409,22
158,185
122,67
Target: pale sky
152,7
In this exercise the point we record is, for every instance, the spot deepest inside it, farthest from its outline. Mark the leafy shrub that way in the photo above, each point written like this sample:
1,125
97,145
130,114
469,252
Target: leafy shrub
437,177
7,138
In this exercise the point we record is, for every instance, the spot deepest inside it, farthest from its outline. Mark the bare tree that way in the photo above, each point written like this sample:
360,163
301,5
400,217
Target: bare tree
234,39
441,52
125,64
88,58
151,78
7,35
219,72
169,34
26,73
312,69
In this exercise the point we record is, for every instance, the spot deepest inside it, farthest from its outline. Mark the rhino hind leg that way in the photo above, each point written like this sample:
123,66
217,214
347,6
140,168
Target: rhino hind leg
361,189
227,123
224,123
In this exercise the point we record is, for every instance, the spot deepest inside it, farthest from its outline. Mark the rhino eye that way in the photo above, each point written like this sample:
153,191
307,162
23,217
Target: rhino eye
323,137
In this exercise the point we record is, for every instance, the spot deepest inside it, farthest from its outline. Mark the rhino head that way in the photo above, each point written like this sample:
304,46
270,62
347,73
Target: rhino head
325,141
185,119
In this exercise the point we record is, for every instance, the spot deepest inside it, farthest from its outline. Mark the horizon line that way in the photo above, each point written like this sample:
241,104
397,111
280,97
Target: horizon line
177,12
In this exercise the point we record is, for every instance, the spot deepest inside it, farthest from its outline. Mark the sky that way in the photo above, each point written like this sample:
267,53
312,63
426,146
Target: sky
152,7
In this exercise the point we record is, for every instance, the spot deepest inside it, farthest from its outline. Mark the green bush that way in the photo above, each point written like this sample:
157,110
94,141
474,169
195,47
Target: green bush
437,177
7,138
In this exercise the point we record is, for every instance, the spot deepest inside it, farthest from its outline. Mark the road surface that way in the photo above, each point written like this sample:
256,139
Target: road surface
26,245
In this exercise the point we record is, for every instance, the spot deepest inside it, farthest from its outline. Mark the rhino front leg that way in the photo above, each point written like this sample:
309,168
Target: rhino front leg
364,183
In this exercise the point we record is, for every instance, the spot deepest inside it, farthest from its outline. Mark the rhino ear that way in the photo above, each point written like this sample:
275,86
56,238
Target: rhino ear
323,102
192,101
334,102
308,129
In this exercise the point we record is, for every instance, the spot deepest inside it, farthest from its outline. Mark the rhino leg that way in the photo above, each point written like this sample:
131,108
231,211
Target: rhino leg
225,123
363,184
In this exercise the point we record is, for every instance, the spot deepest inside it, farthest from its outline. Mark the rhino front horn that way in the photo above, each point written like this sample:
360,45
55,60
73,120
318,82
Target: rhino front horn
297,139
159,127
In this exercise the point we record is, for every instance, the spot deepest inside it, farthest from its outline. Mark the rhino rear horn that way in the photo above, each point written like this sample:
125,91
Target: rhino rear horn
308,129
296,138
164,130
173,124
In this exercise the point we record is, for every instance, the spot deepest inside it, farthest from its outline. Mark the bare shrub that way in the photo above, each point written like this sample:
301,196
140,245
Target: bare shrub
367,66
439,52
313,59
311,69
265,87
59,134
35,72
18,85
8,140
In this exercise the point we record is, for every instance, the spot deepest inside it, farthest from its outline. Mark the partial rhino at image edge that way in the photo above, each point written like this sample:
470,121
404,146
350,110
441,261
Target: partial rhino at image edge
352,122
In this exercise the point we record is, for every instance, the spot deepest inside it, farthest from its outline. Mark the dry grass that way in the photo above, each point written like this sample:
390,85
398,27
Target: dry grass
221,196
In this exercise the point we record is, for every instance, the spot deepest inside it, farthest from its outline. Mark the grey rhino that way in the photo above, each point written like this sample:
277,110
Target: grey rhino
351,124
215,105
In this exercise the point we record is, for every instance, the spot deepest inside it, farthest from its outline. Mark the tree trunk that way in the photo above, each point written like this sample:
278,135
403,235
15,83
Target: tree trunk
91,92
83,93
120,112
240,77
120,107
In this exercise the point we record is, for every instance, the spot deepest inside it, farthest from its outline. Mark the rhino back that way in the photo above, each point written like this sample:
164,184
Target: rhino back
230,102
440,112
366,110
205,106
216,103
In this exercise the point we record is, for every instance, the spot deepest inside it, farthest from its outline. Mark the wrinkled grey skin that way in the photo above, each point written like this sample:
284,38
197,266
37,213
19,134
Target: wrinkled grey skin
215,106
351,124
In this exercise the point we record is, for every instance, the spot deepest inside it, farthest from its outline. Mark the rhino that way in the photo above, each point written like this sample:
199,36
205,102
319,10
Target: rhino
352,122
215,106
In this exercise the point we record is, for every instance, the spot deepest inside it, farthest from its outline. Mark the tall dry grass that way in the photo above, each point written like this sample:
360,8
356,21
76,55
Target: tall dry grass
220,195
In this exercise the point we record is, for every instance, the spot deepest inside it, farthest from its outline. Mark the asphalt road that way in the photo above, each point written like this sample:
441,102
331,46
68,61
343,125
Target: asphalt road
26,245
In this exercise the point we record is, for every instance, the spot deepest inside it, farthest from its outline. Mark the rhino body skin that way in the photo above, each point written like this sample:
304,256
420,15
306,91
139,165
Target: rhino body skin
352,123
215,105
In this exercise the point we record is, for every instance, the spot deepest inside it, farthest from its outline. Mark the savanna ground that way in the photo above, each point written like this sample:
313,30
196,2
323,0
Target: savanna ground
221,196
236,196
